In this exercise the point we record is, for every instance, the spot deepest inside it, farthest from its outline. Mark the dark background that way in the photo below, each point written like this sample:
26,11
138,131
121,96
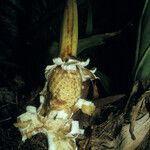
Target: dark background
28,28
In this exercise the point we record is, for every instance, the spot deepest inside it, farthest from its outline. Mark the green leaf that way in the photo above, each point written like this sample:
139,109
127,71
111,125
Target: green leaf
89,26
143,69
94,40
142,60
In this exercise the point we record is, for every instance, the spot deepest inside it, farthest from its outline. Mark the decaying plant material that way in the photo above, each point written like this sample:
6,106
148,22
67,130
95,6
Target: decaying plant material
122,130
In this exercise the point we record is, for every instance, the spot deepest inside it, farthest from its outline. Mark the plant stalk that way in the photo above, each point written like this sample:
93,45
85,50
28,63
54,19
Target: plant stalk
69,33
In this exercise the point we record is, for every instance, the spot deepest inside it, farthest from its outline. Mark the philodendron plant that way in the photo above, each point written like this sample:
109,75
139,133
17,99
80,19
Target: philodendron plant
61,95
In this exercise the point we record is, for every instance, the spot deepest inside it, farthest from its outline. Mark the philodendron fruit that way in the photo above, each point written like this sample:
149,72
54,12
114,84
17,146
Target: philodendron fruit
61,95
